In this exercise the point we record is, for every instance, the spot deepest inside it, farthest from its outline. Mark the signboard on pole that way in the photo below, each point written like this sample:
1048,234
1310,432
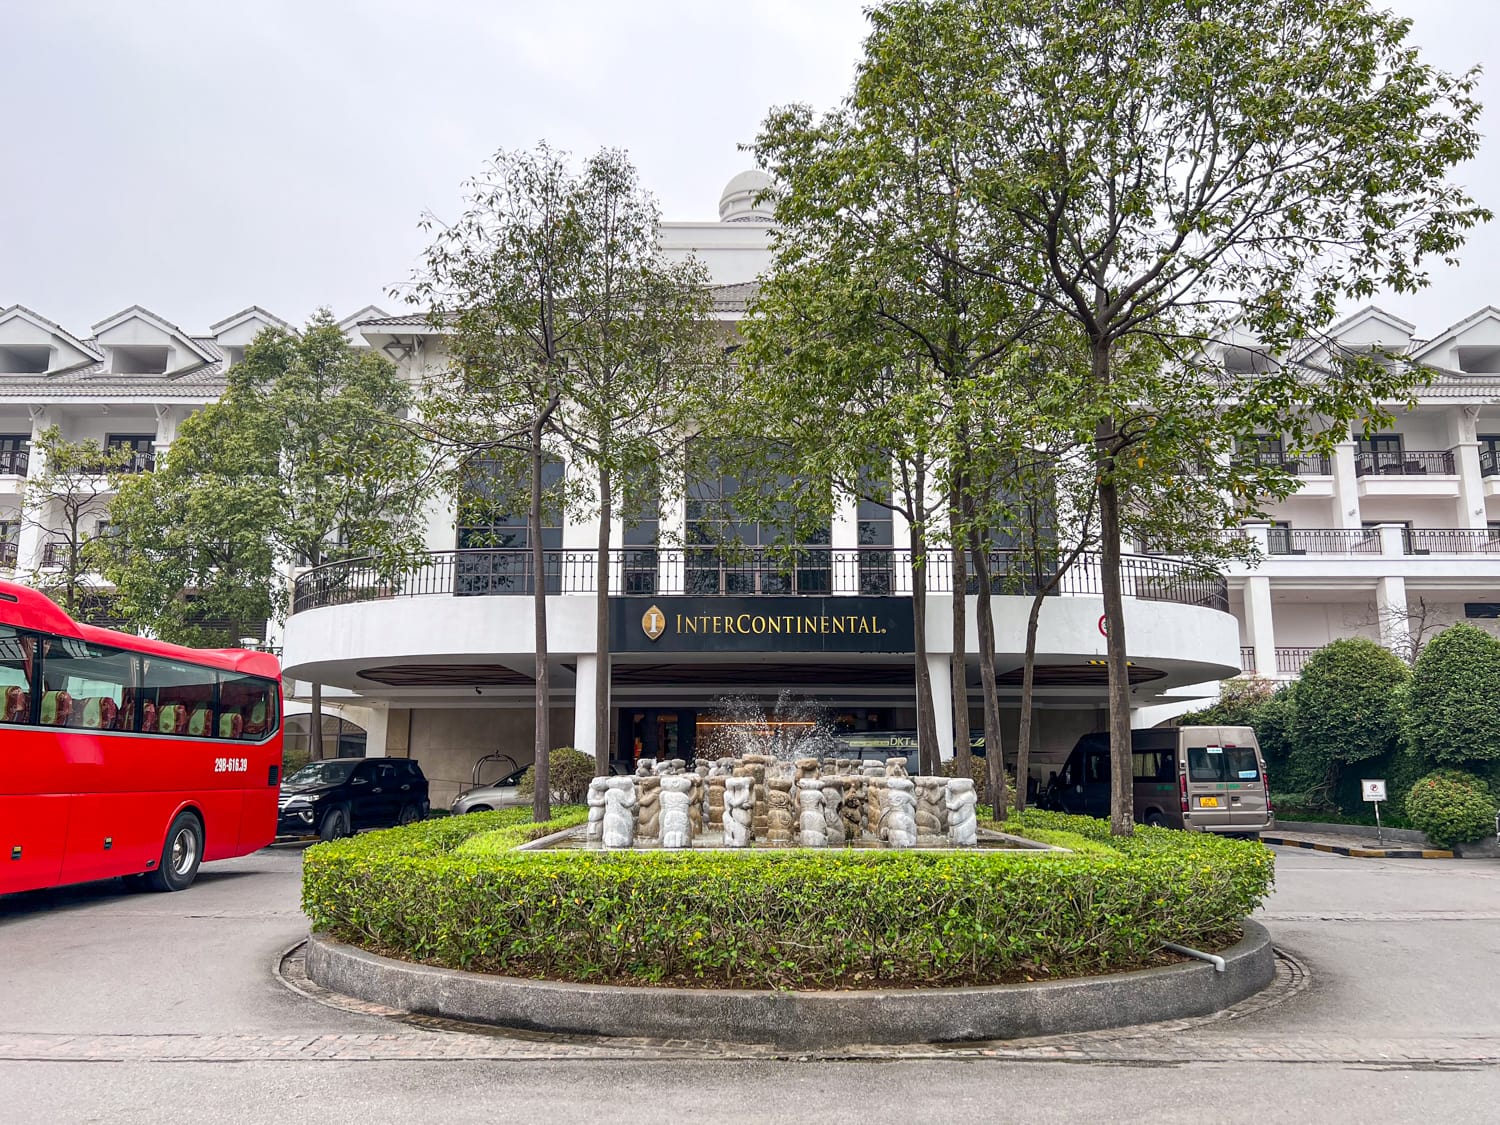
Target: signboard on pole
1373,789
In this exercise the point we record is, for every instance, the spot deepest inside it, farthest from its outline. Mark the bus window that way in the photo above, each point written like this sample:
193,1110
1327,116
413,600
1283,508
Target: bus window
176,698
1206,763
247,707
84,685
16,651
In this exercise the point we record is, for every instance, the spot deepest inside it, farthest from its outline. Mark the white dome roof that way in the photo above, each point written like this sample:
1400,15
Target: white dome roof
737,203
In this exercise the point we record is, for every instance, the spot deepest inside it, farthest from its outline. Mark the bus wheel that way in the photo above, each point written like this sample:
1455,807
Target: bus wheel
180,855
335,824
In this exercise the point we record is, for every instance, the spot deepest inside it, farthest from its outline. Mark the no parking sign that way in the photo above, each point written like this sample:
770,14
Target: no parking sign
1373,788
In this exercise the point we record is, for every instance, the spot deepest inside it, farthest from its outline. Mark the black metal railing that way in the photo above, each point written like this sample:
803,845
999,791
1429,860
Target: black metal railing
1291,661
1247,658
9,551
1489,459
14,462
707,571
1407,463
1322,541
1452,541
1304,465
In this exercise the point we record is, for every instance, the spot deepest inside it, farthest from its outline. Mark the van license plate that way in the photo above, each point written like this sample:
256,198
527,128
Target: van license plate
1208,802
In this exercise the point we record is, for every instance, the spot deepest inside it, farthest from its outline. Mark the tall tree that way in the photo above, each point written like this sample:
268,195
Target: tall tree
1168,163
308,444
190,552
566,333
642,343
68,501
873,292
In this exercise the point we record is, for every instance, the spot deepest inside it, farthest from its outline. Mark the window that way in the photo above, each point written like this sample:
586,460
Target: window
1155,765
728,554
17,661
1264,449
1489,455
176,698
1096,768
1279,538
247,707
876,539
1381,453
492,507
14,454
10,541
1223,763
141,448
86,685
641,532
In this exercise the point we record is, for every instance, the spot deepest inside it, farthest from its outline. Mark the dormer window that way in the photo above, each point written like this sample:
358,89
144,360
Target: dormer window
1478,360
138,359
233,356
1246,361
24,359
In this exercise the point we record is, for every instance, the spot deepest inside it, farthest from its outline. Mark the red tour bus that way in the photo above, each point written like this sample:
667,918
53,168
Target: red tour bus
126,756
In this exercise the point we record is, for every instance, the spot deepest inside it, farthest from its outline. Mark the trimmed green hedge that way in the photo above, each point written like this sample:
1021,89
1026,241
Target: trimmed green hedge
449,894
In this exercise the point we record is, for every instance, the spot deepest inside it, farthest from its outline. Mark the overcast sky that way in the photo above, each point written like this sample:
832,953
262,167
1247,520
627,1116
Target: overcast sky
197,157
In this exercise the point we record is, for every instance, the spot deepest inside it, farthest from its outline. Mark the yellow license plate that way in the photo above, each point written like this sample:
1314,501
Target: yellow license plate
1208,802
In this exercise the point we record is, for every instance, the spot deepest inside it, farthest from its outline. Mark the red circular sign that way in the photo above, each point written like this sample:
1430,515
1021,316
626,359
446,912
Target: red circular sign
1103,625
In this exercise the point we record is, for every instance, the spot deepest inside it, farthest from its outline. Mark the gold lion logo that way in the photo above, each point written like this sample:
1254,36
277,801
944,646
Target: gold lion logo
653,623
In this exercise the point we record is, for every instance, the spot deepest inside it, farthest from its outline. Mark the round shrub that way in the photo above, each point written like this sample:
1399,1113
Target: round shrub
1347,704
1453,704
462,897
1452,807
571,771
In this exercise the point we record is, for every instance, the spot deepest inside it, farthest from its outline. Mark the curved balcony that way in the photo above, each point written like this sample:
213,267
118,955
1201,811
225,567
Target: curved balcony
711,571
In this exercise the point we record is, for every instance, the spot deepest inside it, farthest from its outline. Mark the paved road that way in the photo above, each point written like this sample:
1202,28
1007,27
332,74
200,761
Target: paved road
120,1007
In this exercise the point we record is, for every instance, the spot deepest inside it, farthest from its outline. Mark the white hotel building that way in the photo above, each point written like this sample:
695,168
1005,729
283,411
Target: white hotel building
1386,537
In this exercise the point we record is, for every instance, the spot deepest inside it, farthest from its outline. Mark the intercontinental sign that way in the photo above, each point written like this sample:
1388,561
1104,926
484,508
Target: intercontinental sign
713,624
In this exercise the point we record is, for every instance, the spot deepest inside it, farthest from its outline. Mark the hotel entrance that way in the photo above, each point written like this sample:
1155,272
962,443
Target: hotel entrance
730,729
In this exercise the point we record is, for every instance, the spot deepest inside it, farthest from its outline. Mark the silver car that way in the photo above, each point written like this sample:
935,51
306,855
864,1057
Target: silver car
502,794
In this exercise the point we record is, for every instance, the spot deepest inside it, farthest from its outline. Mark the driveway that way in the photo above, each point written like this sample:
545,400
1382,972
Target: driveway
121,1007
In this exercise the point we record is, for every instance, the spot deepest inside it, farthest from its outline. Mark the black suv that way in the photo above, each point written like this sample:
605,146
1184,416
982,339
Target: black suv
338,796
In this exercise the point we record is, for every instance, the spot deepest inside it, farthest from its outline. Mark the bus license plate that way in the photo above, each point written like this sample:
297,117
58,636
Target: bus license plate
1208,802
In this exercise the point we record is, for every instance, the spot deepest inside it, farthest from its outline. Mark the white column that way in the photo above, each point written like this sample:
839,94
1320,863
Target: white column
585,736
1345,487
844,539
1260,627
1392,540
34,521
1465,445
1390,604
940,670
166,430
671,570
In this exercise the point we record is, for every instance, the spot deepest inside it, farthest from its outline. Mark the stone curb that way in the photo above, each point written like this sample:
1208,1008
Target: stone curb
1315,827
800,1020
1357,852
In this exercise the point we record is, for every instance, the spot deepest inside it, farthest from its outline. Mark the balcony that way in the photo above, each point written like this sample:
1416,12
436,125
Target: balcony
9,550
1452,541
1321,541
14,462
1404,463
1289,661
714,572
138,462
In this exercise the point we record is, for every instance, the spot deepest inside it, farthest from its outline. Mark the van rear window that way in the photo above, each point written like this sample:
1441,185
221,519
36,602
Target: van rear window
1223,763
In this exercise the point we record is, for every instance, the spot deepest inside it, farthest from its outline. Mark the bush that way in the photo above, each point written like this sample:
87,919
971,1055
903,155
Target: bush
571,771
1347,710
786,918
1452,807
1453,705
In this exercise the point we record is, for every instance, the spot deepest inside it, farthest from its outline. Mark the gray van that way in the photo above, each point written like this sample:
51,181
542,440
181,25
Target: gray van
1205,779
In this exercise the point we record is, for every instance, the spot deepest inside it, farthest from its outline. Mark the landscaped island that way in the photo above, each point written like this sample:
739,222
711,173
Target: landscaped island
457,893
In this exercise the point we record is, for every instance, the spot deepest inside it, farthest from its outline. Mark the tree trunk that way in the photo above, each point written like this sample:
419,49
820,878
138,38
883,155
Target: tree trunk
541,801
994,748
315,725
962,752
927,749
1028,687
1121,788
601,629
